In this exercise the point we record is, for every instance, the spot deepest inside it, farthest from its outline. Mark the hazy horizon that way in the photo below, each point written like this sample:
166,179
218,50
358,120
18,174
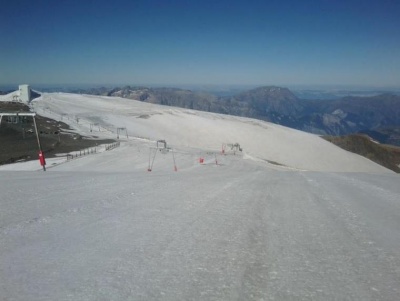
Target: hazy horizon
8,87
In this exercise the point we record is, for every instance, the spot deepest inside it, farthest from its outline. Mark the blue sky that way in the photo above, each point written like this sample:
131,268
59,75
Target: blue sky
355,43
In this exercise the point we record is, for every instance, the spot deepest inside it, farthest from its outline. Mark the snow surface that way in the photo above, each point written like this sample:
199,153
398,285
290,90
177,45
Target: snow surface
208,131
9,96
101,227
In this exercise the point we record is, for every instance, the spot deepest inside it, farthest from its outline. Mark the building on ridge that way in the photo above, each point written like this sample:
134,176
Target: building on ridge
25,93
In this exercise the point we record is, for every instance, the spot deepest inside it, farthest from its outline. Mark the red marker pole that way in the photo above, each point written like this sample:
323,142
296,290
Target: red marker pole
41,156
42,160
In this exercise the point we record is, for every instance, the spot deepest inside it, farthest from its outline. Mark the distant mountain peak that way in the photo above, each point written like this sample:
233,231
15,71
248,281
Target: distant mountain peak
268,99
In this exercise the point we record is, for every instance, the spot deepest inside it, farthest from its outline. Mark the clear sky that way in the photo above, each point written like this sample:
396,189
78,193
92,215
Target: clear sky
220,42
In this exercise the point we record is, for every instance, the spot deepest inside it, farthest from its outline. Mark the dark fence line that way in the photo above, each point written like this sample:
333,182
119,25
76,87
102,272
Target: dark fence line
90,151
81,153
112,146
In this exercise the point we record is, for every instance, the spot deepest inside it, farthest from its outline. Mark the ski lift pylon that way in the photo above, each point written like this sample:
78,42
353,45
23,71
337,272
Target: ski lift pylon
161,146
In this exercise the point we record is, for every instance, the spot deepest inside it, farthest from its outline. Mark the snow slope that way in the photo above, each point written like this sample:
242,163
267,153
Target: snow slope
101,227
9,96
188,128
237,231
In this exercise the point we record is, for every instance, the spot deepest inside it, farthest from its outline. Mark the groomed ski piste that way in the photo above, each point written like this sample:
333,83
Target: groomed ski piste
290,217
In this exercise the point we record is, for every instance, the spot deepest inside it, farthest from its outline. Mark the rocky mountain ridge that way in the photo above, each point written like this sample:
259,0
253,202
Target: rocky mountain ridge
378,116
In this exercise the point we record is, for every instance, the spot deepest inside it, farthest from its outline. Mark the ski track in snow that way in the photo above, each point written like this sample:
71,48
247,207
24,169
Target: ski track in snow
103,228
207,233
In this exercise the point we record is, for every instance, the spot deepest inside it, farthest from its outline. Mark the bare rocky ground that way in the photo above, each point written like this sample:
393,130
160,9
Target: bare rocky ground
385,155
18,140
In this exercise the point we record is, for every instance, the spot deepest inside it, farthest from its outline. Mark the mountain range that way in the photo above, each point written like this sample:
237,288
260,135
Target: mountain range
377,116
